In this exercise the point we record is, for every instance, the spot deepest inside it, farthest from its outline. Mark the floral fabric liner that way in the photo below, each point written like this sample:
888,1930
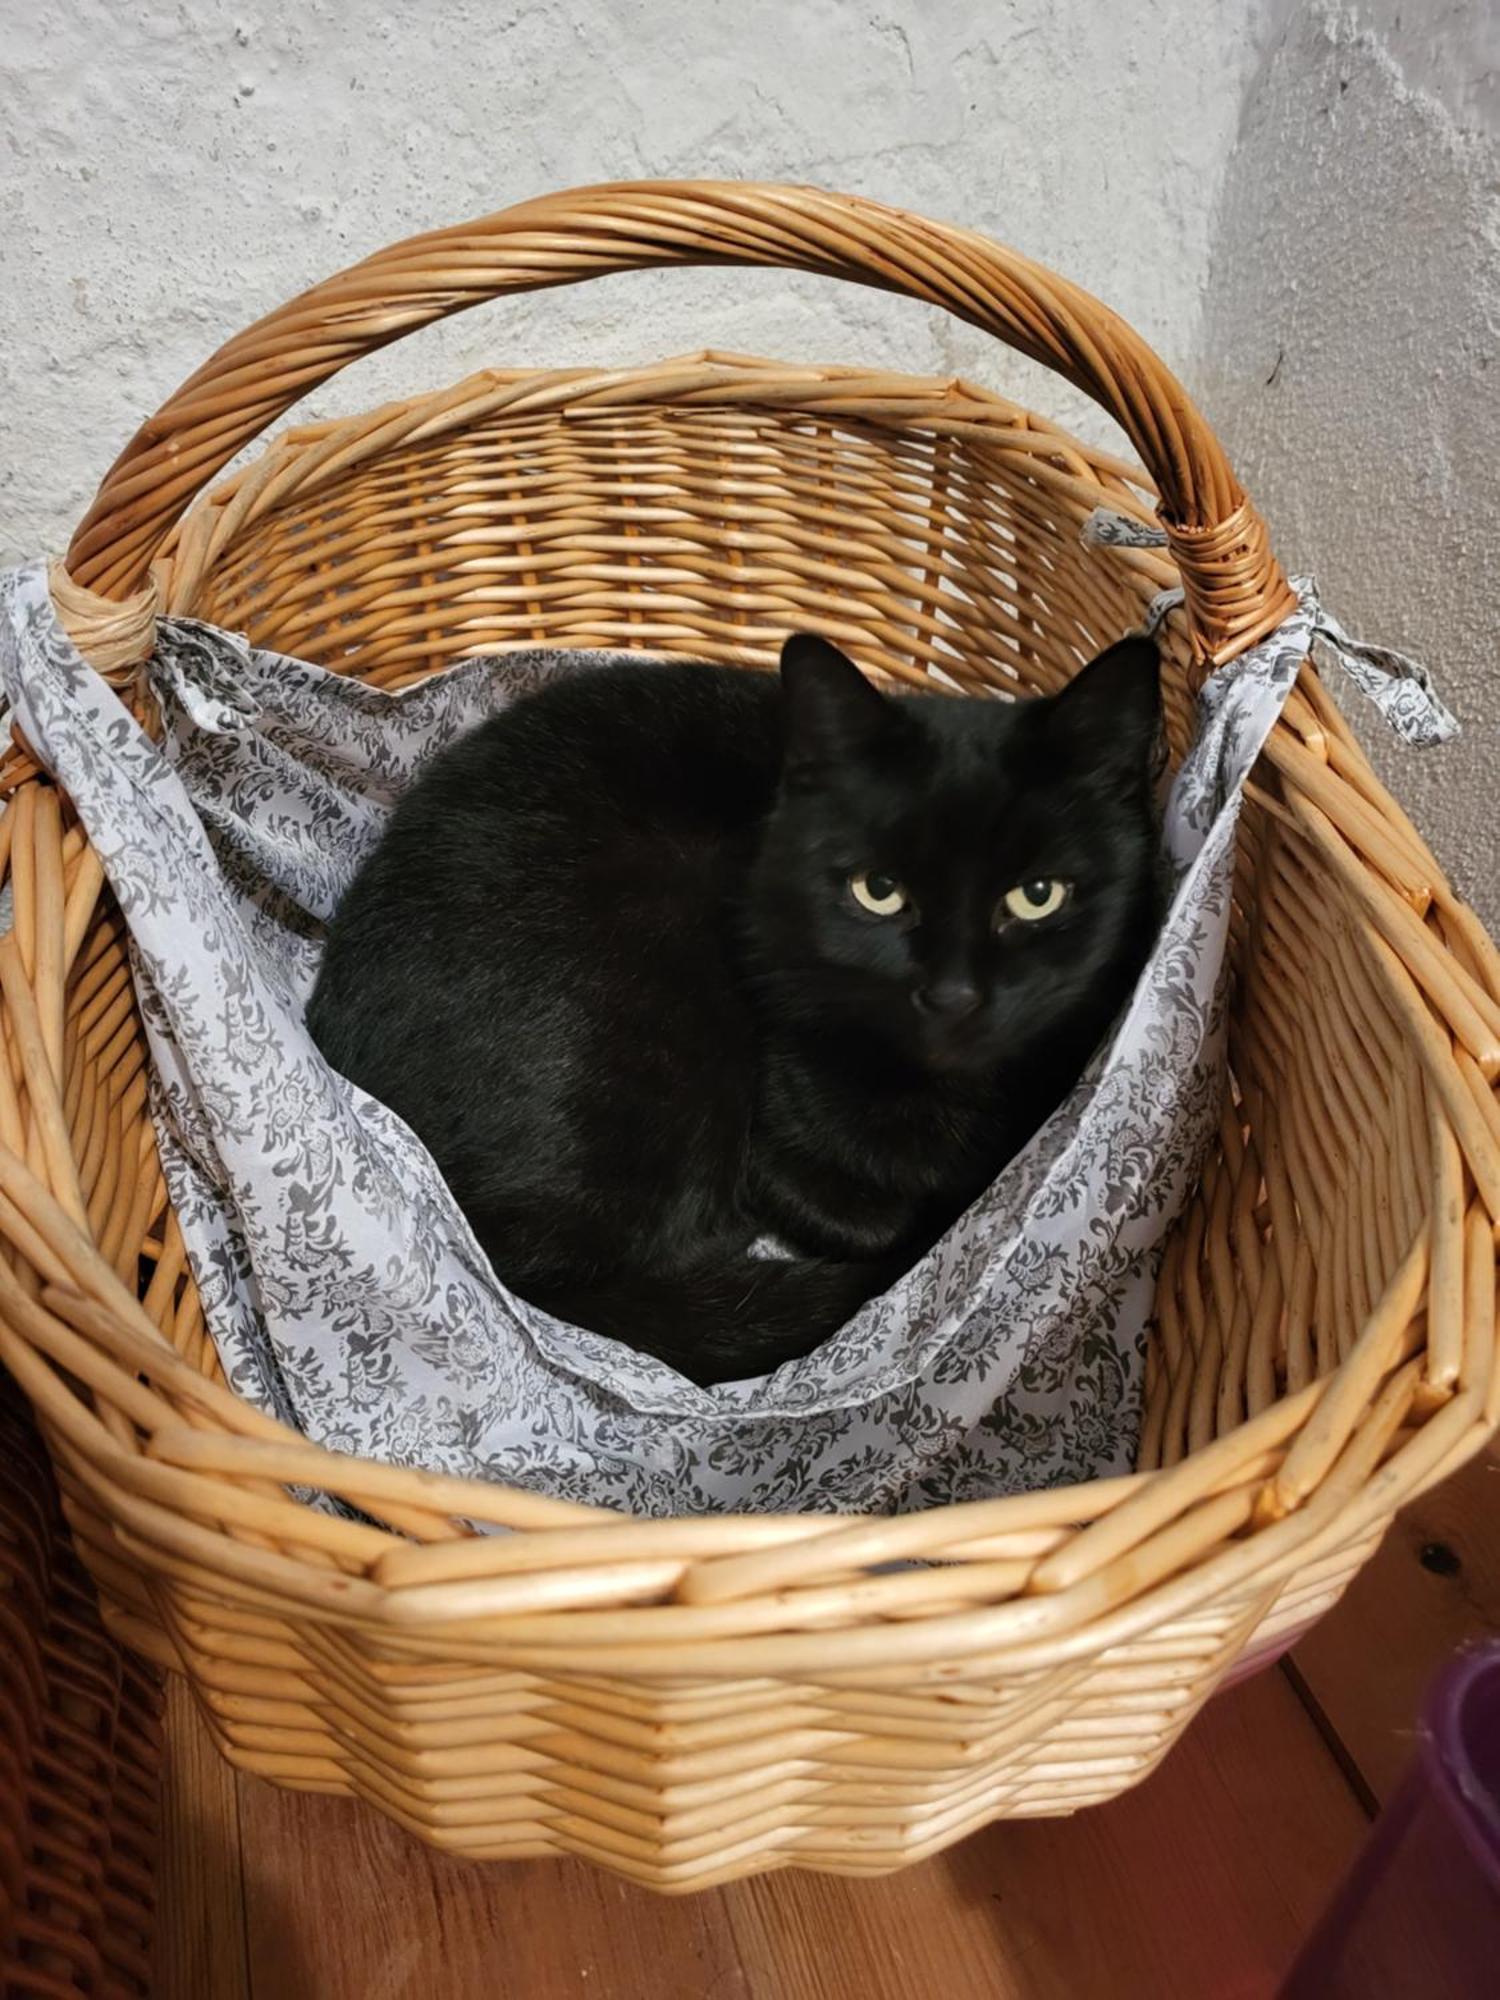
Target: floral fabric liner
342,1285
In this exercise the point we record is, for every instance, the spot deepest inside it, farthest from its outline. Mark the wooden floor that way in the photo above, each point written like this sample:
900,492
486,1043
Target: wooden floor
1200,1883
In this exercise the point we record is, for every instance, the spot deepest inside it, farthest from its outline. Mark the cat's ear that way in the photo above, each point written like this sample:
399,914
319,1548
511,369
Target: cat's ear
832,712
1109,714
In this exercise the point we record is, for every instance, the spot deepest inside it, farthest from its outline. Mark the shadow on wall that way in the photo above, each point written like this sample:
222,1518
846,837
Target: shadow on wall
1350,359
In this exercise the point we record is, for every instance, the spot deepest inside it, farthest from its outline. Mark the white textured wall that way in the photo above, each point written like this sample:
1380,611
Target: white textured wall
1351,361
174,168
1324,176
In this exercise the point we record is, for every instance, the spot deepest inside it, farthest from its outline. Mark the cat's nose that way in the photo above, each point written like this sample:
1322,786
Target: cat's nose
947,999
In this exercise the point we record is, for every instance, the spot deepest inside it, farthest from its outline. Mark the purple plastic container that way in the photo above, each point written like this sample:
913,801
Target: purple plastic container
1419,1913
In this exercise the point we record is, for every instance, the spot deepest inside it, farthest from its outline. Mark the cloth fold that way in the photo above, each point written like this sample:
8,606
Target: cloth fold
342,1285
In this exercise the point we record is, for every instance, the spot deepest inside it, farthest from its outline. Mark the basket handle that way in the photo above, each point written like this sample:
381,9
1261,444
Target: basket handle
1234,588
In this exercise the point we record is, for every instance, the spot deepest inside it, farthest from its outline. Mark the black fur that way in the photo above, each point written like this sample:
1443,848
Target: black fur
608,963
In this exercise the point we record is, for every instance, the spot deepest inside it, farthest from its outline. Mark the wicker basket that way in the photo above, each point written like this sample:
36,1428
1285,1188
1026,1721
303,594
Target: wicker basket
80,1749
688,1701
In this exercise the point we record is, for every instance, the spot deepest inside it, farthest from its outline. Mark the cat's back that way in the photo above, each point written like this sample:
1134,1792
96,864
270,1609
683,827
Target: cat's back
535,967
628,748
611,798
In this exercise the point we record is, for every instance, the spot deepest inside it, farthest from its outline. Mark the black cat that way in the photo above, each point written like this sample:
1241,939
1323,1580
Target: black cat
665,959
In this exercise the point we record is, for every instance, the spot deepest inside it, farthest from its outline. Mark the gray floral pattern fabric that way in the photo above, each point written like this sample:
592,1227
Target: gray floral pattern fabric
341,1283
1400,687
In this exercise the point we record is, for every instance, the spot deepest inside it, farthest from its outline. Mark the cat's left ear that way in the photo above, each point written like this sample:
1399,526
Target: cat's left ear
832,711
1109,714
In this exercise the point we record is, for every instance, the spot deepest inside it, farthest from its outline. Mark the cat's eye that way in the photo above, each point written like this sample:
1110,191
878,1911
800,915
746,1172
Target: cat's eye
881,895
1031,901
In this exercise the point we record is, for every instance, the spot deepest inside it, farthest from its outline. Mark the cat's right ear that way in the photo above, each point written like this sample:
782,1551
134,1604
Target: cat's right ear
832,711
1108,717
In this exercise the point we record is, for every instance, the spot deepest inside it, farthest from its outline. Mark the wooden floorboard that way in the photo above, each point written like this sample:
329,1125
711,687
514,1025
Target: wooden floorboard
1198,1884
1433,1586
342,1903
201,1951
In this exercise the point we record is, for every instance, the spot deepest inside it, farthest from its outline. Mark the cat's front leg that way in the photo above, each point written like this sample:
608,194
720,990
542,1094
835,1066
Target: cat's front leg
822,1212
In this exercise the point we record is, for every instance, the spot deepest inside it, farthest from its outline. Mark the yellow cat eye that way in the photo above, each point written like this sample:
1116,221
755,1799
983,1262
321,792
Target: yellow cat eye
878,894
1031,901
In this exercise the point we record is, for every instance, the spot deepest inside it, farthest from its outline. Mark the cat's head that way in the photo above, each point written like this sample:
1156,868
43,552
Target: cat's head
957,876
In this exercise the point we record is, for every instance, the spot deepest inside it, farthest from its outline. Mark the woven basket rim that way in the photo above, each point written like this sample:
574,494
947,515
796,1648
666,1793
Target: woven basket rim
305,458
1236,592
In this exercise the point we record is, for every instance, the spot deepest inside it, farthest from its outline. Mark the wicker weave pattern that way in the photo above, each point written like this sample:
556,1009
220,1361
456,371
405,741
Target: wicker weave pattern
79,1750
1218,540
688,1700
